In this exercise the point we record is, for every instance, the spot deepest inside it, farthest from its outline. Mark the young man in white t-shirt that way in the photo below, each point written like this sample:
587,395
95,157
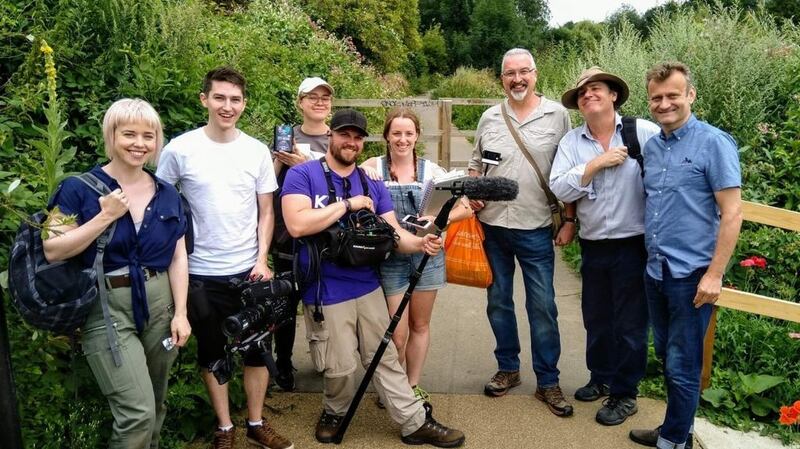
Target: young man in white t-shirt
228,179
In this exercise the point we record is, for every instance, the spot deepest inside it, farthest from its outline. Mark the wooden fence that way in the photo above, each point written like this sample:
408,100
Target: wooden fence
749,302
444,131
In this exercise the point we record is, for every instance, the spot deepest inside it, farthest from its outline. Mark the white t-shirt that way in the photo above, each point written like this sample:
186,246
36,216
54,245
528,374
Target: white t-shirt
220,181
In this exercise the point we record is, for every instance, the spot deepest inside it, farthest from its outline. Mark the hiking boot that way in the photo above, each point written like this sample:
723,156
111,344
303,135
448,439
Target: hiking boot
616,410
435,434
266,437
592,392
554,398
327,426
649,437
501,382
285,377
224,439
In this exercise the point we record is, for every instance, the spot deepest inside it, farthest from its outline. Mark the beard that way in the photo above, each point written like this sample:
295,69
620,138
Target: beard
338,156
518,96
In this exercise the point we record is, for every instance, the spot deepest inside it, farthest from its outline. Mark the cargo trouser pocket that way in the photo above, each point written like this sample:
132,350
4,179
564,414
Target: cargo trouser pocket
317,335
110,378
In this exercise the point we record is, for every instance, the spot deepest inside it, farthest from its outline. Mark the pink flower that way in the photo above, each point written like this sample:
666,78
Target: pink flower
754,261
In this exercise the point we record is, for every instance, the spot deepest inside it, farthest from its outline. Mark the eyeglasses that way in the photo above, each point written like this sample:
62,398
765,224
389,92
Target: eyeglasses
511,74
324,99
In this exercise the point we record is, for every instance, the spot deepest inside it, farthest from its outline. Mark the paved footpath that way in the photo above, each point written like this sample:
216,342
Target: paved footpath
460,361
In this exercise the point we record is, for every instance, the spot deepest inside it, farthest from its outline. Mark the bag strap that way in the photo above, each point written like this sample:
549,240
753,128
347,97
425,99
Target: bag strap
329,179
552,201
102,241
631,140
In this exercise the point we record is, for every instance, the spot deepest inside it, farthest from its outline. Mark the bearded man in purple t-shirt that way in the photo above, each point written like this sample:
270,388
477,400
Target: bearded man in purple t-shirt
354,312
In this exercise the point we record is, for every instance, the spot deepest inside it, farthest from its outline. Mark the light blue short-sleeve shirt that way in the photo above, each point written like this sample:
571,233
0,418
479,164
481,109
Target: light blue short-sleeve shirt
682,173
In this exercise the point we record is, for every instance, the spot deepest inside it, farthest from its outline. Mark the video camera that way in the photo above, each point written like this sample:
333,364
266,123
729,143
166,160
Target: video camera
266,307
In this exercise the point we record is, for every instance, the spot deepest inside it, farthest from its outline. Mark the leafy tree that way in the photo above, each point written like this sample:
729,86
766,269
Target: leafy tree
582,35
384,31
495,26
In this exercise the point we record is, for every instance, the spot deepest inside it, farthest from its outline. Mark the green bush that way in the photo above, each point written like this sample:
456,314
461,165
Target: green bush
157,50
469,83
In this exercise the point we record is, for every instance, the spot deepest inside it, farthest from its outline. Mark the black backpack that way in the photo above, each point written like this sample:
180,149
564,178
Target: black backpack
54,296
631,140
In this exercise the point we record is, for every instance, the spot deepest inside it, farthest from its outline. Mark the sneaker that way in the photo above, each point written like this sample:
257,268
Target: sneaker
616,410
224,439
285,377
555,400
266,437
327,427
501,382
592,392
435,434
421,394
649,437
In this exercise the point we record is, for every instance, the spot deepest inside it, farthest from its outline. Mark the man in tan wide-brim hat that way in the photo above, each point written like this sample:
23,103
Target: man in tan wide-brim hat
593,169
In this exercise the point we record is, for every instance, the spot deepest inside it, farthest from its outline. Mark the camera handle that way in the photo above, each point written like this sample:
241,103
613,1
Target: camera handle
440,223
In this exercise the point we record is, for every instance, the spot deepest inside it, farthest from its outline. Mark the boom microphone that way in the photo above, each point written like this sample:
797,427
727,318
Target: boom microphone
486,188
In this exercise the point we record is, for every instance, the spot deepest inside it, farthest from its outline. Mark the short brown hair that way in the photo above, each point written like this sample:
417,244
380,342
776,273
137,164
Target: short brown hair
664,70
224,73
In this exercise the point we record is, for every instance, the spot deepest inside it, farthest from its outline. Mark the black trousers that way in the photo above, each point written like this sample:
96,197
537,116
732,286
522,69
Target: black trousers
615,312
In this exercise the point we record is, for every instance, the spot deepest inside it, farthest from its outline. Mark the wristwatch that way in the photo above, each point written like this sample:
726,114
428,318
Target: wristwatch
571,219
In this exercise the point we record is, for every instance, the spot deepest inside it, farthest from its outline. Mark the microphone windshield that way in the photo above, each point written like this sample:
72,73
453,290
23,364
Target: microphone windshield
491,188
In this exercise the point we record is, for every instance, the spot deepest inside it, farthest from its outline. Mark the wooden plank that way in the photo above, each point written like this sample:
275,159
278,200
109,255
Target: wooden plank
708,350
473,101
762,305
386,102
463,133
445,126
773,216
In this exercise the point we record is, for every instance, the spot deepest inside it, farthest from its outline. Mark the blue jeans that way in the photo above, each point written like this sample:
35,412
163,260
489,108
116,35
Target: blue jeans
534,251
615,312
678,330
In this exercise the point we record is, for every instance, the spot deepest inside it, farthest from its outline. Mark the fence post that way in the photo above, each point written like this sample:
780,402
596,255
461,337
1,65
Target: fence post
708,350
9,414
445,124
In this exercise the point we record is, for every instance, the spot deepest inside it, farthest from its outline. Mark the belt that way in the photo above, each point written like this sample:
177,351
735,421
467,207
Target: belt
124,280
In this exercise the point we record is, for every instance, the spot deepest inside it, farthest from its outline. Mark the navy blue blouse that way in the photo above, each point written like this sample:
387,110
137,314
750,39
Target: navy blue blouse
152,247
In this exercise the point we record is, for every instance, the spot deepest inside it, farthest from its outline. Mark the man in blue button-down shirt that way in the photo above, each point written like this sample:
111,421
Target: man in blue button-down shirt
692,220
592,169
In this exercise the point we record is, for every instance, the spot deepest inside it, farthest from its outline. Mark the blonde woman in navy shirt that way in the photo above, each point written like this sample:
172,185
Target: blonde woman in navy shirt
145,265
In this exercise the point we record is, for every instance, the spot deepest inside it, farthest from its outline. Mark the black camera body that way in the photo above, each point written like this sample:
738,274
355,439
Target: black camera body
266,307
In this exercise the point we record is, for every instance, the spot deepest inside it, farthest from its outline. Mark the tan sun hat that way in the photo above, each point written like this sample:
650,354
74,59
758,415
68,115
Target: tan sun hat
570,97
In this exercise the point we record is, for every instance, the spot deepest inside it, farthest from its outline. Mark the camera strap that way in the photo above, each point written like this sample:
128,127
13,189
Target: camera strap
314,251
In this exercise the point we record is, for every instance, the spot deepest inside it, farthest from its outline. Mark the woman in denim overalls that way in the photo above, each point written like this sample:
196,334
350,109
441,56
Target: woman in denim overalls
404,174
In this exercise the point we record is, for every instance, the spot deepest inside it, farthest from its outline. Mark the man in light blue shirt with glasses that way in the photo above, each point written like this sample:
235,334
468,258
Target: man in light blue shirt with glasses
692,219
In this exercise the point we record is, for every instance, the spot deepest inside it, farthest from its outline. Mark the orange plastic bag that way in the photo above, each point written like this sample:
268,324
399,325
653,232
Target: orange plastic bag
465,258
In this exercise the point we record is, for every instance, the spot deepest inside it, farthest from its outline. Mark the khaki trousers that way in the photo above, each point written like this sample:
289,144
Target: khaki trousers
135,391
353,329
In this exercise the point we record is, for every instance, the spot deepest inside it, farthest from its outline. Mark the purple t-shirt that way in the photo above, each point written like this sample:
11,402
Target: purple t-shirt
338,284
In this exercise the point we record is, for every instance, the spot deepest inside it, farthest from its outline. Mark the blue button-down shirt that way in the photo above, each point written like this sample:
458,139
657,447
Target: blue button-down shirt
682,173
152,247
611,206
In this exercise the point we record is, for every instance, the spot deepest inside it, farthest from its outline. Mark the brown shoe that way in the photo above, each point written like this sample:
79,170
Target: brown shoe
327,427
435,434
554,398
224,439
266,437
501,382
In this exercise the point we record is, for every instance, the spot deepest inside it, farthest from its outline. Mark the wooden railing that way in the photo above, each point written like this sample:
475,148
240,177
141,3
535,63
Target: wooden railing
750,302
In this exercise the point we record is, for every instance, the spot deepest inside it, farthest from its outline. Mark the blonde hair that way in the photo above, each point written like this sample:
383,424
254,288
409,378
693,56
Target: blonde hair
131,110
